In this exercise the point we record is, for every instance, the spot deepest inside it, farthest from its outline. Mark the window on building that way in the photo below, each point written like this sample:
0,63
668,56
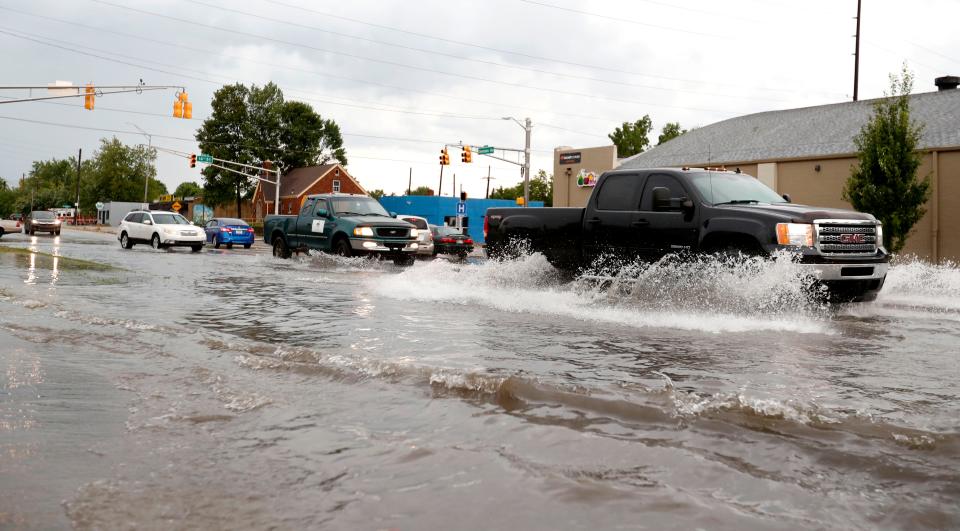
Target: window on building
336,187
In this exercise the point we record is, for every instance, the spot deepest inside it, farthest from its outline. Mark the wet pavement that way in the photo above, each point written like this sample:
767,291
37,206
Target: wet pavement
229,389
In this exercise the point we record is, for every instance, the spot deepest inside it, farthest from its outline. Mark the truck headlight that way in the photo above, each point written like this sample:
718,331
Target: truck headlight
879,235
362,231
797,234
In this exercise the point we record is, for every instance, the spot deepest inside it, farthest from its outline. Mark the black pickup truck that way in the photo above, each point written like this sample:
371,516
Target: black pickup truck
648,214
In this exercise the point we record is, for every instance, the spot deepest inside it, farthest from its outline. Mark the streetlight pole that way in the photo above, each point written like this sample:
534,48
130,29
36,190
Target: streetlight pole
527,126
146,178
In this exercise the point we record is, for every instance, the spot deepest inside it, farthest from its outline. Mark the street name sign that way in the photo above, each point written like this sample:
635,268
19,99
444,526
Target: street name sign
205,158
485,150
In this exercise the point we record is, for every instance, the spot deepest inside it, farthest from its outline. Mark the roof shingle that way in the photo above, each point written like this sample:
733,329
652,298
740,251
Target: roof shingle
824,130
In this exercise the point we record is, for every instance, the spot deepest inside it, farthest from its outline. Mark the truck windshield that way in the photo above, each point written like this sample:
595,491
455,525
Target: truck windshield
727,187
358,206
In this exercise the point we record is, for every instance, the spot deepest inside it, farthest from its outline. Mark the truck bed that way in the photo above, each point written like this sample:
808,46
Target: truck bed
555,232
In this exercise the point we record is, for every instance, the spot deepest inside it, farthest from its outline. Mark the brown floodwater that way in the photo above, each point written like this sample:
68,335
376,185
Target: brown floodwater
228,389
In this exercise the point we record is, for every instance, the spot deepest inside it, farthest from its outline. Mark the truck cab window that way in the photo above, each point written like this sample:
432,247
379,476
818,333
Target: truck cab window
618,193
307,207
665,181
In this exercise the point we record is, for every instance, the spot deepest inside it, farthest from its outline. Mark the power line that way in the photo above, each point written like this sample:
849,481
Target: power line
402,65
564,75
617,19
532,56
217,54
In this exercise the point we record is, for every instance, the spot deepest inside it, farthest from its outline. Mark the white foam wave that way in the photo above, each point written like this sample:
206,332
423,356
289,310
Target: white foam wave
530,285
922,284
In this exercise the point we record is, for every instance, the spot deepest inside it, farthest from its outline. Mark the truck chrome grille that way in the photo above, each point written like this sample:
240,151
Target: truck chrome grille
841,237
393,232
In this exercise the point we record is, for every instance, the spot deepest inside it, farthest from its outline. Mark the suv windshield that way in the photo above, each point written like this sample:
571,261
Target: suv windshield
360,206
170,219
726,187
43,214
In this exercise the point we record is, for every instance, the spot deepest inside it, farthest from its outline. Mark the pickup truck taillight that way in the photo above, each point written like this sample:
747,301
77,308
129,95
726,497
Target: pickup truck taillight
486,226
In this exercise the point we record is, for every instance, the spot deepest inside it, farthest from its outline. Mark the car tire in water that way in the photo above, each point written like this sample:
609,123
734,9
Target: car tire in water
342,247
195,248
216,242
405,260
125,241
280,247
247,245
462,256
155,241
229,246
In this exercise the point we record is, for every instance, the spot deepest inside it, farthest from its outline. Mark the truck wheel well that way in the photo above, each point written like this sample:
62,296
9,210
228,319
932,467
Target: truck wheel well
276,234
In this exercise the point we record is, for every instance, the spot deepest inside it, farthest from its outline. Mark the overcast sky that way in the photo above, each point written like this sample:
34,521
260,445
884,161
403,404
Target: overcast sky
402,78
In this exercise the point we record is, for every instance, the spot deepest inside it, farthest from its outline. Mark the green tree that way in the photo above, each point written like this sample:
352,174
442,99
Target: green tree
377,194
631,138
188,189
117,172
885,183
254,124
670,131
422,190
8,199
541,189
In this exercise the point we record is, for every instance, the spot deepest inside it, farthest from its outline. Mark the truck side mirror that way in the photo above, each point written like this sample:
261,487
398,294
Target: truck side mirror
321,212
687,204
393,214
787,198
661,198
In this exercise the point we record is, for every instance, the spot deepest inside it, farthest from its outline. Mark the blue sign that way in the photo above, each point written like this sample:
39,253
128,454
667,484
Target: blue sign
461,207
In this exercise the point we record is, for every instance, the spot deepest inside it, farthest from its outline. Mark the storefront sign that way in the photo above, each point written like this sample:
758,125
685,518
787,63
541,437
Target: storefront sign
570,158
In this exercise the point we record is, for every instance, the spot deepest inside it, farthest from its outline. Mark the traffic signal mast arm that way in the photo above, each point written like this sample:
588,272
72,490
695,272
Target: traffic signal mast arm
461,146
80,94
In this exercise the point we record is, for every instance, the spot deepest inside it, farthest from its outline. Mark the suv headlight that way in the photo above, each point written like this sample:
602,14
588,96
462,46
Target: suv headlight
414,233
797,234
362,231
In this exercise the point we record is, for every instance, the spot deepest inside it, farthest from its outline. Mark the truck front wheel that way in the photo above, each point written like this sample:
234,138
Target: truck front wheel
342,248
280,249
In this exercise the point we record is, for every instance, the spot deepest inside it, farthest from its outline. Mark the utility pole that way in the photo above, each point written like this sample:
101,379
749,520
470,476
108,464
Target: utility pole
146,178
410,181
76,206
526,163
454,183
856,56
440,186
487,195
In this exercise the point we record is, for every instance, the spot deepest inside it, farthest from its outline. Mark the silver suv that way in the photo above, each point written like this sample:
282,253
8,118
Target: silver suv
160,229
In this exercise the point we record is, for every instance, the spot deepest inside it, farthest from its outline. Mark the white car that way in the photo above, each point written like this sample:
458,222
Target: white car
160,229
424,236
9,225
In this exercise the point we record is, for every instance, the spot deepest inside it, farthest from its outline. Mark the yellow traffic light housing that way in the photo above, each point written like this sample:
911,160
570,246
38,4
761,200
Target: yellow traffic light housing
193,160
88,97
467,155
182,108
444,157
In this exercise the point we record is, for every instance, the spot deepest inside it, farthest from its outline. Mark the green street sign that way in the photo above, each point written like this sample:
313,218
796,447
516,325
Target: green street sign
205,158
484,150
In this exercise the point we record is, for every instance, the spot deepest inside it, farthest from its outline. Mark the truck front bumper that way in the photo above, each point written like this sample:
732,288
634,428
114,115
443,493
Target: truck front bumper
864,271
377,246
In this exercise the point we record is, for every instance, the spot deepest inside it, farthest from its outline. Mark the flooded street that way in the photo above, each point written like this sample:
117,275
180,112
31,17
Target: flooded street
229,389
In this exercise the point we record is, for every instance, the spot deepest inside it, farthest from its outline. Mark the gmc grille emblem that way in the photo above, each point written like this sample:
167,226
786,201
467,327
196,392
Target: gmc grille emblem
852,238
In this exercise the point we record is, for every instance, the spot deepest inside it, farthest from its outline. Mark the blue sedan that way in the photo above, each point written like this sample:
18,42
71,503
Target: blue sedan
228,231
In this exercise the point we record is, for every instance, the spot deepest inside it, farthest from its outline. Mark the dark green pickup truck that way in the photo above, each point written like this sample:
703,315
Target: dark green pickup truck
343,224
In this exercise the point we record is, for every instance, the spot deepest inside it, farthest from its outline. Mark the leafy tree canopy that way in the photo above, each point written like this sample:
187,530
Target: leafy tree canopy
255,124
631,138
422,190
670,131
885,183
541,189
188,189
377,194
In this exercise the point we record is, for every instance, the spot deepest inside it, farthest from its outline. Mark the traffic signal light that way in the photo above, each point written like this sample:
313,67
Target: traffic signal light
88,97
463,196
467,155
182,108
444,157
193,160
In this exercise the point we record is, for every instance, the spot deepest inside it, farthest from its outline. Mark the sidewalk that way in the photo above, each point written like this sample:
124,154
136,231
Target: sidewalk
91,228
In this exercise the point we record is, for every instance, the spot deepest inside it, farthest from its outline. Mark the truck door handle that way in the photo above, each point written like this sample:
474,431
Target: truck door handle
640,223
593,220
